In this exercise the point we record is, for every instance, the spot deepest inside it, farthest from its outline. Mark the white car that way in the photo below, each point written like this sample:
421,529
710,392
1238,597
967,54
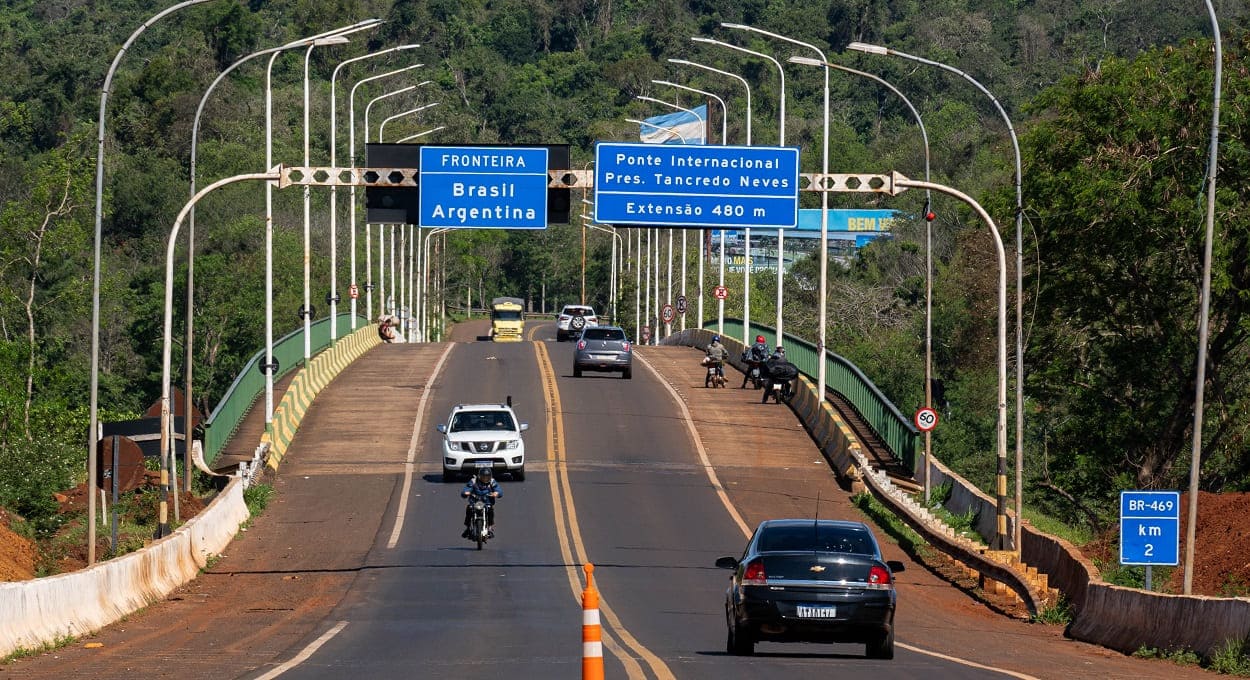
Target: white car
572,319
482,435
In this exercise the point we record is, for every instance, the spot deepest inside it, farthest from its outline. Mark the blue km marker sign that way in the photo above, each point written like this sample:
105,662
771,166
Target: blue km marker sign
1150,528
483,187
696,186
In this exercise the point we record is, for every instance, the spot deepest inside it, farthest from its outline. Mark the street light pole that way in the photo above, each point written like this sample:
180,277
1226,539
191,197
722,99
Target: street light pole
928,272
824,218
333,296
93,434
724,139
351,134
781,141
1015,146
1001,538
1195,464
703,239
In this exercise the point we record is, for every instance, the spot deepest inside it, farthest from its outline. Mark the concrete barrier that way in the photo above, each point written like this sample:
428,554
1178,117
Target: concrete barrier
43,611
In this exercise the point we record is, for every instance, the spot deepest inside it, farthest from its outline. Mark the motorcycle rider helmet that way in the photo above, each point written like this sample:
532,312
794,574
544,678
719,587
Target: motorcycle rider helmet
781,352
715,338
759,338
484,475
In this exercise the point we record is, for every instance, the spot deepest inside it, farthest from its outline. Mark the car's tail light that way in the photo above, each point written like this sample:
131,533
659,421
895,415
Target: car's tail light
581,344
754,574
625,346
879,578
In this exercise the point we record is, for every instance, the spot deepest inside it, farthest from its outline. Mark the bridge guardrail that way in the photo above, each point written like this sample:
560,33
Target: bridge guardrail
235,403
895,429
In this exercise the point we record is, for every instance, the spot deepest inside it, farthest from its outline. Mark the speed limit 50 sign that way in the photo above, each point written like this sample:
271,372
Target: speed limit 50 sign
926,419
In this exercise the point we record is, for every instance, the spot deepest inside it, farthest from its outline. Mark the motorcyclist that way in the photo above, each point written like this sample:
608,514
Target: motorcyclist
777,369
716,354
482,487
755,354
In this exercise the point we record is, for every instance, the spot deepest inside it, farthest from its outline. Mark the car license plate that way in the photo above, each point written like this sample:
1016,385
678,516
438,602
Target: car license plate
806,612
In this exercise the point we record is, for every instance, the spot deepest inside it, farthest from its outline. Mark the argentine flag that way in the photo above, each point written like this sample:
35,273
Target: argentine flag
675,128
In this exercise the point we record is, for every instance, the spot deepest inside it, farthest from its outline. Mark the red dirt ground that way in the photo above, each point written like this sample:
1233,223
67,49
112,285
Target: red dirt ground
20,557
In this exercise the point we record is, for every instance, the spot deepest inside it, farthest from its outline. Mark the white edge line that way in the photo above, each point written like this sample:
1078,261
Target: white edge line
412,449
965,662
733,513
306,652
698,444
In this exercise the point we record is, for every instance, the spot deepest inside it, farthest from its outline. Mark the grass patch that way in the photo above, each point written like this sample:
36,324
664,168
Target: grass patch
1232,659
890,523
257,497
1180,657
59,642
1076,535
1057,614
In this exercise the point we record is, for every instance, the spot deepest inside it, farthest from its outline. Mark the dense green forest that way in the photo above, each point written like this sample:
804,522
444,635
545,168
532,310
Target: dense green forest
1111,101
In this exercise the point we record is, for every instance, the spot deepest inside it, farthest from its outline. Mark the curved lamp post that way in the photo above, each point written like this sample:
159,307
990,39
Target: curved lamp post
781,141
1001,537
190,321
928,272
724,139
409,112
419,135
1195,464
1015,146
686,62
824,215
351,134
93,434
333,296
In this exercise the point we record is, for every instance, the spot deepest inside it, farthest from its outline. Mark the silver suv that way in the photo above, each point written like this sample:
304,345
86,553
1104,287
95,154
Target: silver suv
483,435
604,348
573,319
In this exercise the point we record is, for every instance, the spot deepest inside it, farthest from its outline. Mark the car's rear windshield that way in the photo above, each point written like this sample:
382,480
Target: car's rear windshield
603,334
482,420
579,311
820,538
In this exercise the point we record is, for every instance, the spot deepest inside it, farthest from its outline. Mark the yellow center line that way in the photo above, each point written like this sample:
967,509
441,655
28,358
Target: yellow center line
562,503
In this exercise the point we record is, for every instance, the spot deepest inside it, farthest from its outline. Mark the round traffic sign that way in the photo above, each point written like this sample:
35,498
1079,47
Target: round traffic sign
354,291
721,292
926,419
666,313
681,304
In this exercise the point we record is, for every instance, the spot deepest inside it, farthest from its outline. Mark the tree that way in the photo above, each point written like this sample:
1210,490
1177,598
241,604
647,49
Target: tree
1115,172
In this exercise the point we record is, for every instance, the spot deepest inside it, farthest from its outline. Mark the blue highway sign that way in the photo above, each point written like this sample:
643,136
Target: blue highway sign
696,186
1150,528
483,187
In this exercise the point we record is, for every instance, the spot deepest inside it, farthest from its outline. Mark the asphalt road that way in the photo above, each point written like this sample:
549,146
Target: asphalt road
358,569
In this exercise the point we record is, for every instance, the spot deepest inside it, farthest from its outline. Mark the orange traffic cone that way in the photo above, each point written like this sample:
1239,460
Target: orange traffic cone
592,633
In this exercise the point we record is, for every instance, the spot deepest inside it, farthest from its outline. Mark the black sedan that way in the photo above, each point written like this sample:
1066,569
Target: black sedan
805,580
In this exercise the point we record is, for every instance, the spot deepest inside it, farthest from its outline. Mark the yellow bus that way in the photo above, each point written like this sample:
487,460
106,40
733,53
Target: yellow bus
507,321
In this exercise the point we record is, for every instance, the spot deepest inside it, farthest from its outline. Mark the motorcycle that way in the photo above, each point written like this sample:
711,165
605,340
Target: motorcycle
479,530
714,376
778,389
754,375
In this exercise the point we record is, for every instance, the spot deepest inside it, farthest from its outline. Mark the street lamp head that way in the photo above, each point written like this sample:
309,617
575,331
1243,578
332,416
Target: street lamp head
867,47
726,24
806,61
330,40
411,46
